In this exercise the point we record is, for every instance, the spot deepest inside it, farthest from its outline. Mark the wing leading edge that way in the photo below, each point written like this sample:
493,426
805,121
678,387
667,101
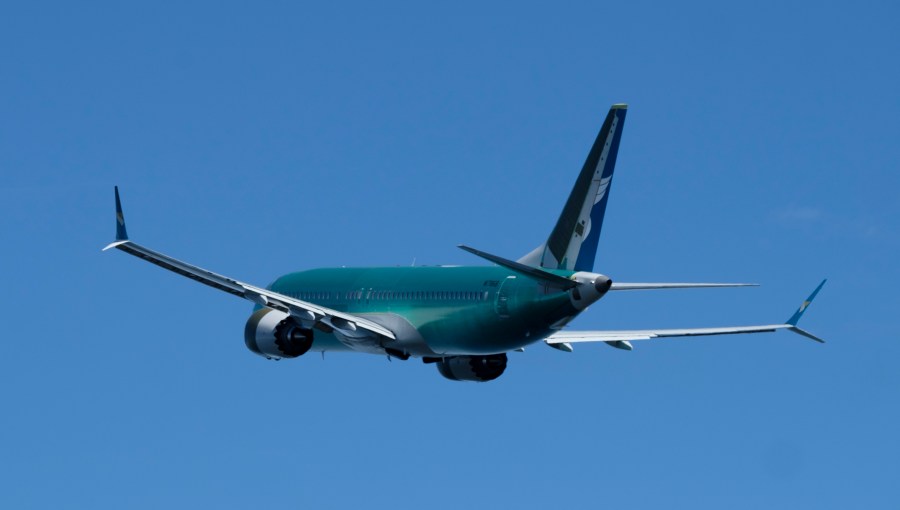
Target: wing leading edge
620,338
302,310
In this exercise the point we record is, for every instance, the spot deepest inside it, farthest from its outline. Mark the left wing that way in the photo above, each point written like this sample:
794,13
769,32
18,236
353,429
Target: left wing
622,338
351,326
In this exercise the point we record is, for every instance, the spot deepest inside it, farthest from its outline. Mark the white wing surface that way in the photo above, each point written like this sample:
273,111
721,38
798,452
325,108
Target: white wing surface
621,338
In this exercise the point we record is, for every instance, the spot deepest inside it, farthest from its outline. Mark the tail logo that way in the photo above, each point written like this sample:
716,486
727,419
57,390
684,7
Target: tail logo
601,191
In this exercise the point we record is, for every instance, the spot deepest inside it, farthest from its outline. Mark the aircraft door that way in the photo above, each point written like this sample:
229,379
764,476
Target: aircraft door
505,297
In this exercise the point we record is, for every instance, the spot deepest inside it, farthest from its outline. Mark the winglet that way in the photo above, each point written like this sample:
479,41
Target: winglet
799,313
121,233
805,333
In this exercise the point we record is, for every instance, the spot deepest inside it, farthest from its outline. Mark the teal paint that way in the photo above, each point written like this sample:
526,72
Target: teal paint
455,309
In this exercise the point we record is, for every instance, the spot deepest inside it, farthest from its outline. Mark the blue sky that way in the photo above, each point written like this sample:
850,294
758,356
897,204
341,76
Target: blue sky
257,139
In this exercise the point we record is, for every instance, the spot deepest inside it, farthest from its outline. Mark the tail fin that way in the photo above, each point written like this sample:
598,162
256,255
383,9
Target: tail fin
573,242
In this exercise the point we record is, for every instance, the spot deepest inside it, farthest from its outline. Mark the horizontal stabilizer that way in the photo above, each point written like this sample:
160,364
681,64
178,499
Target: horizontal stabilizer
654,286
532,272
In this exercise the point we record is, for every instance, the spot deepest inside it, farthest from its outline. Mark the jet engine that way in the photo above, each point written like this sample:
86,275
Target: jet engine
472,368
276,335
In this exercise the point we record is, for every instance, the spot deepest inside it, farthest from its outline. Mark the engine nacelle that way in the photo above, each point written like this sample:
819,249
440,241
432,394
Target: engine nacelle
472,368
276,335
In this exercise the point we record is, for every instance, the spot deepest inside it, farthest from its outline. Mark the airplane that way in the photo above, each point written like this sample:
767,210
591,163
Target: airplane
463,319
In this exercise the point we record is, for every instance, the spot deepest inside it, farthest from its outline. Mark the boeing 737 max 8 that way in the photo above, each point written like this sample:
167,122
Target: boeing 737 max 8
463,319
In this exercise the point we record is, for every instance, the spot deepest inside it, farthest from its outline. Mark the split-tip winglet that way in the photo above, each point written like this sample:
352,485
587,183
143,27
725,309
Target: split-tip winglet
799,313
121,233
792,322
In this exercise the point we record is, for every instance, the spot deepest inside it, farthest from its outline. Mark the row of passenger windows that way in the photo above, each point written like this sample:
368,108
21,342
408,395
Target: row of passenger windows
393,295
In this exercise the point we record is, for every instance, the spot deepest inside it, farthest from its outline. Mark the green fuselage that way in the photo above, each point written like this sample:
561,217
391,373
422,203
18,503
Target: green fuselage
455,309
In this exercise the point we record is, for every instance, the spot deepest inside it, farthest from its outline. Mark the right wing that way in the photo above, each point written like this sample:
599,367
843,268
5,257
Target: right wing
348,324
621,338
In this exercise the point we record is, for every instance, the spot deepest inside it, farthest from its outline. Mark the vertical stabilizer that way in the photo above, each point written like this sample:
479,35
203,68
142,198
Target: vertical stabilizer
573,243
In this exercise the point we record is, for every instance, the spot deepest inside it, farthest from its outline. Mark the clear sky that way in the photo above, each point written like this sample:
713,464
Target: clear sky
256,139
